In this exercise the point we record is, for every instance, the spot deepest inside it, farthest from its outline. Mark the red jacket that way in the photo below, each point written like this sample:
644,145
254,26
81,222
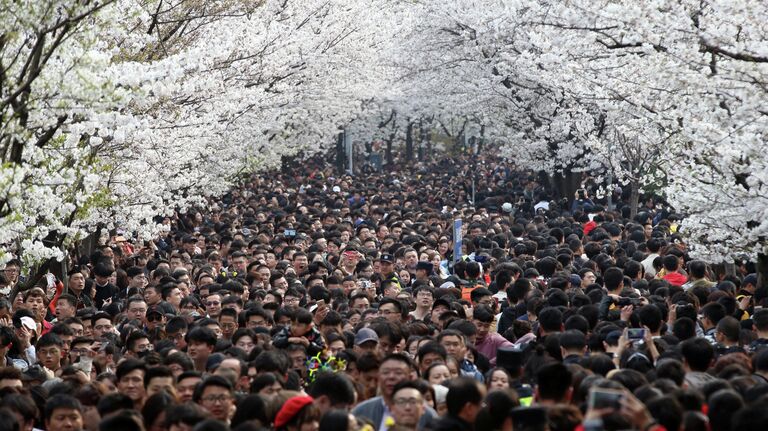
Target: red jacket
676,279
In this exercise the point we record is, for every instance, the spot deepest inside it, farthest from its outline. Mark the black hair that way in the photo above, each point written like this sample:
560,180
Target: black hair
337,387
202,334
128,366
61,401
217,381
553,381
462,391
154,372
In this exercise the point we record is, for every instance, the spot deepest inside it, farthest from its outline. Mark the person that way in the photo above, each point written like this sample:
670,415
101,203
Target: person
464,401
487,342
130,380
63,413
394,368
301,332
216,395
407,405
297,414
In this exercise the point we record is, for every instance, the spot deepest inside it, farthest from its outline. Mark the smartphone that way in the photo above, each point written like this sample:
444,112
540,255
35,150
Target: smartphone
602,398
636,333
289,233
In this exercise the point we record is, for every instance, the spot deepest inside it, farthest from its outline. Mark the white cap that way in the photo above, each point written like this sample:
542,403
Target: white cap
29,323
336,189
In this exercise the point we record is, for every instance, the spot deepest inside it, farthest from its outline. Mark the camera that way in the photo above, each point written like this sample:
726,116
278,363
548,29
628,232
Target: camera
624,301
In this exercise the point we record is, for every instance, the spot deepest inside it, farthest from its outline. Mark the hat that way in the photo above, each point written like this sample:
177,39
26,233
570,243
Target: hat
426,266
506,207
386,257
448,285
34,373
214,361
575,280
29,323
365,334
441,301
509,358
750,279
290,409
336,189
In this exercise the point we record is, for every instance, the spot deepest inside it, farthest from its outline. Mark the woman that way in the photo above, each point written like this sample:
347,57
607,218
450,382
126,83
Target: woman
298,414
497,378
436,374
11,353
338,420
335,344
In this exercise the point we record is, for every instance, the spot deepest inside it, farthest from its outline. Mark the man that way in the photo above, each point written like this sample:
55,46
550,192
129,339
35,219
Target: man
77,287
455,345
200,344
49,348
654,245
228,322
213,305
366,341
237,368
424,296
10,377
332,391
407,405
130,380
553,384
158,379
395,368
137,345
216,396
137,280
698,355
186,384
152,296
63,413
104,289
487,342
391,309
34,301
464,401
760,325
697,271
727,334
671,269
65,307
387,269
424,271
238,264
102,324
573,346
136,309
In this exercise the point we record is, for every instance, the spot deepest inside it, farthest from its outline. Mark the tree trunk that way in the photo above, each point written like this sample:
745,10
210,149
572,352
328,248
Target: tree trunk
409,142
389,149
761,268
340,154
634,199
565,184
482,139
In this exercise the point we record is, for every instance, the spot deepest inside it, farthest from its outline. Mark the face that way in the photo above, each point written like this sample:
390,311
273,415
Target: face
499,380
436,312
36,305
132,384
411,258
138,281
336,347
186,388
102,326
65,419
198,349
298,359
64,310
390,374
159,384
589,278
228,325
424,299
454,346
407,407
217,401
483,328
77,281
240,264
50,357
174,297
246,343
439,374
213,305
77,328
390,312
137,310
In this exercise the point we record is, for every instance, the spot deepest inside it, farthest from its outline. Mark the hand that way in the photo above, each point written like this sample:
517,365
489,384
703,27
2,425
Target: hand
6,321
634,411
672,315
744,302
626,312
24,336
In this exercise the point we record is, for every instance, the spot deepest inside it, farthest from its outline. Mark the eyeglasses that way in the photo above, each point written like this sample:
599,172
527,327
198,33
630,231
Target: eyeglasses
212,303
407,401
291,300
213,399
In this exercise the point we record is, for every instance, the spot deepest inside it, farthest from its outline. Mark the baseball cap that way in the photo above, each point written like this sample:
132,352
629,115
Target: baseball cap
365,334
386,257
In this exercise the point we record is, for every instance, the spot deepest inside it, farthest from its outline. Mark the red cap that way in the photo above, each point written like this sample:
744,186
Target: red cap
290,409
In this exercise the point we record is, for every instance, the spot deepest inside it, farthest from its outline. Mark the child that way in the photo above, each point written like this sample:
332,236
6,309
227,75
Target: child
301,331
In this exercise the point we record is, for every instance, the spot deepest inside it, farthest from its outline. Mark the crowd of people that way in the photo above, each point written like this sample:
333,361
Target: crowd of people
306,301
